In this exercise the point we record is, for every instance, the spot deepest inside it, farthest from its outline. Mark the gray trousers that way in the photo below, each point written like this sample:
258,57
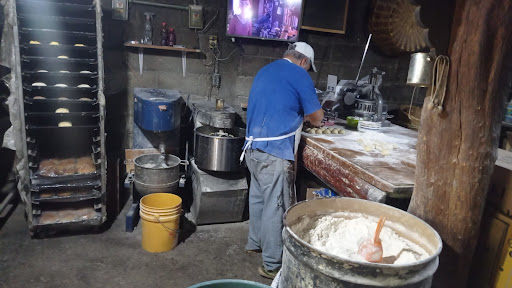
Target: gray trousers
270,194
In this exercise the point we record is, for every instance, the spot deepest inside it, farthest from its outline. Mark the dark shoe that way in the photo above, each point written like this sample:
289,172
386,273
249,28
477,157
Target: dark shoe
256,251
270,274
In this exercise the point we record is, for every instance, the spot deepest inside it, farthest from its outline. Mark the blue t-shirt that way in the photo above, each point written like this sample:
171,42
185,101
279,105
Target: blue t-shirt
281,94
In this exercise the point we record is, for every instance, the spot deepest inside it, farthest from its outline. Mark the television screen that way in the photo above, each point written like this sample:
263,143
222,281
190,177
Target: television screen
264,19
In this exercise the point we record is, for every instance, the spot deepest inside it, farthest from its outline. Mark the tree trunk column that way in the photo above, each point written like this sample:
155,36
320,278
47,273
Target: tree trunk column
457,148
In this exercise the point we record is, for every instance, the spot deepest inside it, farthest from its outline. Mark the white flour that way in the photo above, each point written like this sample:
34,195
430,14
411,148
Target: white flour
342,237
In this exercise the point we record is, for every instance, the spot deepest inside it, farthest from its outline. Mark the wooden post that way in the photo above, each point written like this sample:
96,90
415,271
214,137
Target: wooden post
457,148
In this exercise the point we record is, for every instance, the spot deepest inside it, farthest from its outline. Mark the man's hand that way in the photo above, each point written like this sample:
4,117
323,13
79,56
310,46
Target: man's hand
315,118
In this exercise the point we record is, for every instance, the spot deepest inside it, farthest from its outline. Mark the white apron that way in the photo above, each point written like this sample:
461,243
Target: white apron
297,135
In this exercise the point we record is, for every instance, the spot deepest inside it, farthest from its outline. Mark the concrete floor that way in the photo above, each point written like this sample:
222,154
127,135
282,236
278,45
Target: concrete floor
114,258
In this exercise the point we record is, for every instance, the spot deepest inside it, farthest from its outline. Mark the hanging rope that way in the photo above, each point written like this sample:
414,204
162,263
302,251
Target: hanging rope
439,82
412,99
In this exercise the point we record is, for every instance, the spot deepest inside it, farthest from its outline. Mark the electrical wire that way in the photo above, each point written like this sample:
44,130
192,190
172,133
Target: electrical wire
207,27
412,99
224,59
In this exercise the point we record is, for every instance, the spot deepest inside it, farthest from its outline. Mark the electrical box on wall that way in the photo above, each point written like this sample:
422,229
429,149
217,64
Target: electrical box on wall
212,41
195,16
120,9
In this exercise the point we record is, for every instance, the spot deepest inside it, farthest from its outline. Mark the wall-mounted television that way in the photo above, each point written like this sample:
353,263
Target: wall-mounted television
264,19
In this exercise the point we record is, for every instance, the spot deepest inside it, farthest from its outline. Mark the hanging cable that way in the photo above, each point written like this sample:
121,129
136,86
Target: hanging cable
224,59
207,27
412,99
439,83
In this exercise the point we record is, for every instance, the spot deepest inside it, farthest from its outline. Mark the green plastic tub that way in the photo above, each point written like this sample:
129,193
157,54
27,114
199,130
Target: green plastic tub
229,283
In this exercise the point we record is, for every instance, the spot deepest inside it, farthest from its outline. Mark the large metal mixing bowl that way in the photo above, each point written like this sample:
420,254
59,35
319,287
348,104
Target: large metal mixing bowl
217,153
307,267
150,177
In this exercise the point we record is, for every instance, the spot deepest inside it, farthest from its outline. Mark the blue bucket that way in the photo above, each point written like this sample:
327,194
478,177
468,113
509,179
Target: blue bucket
229,283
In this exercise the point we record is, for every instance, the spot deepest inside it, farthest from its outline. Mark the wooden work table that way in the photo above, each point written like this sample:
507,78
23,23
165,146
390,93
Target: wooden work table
370,165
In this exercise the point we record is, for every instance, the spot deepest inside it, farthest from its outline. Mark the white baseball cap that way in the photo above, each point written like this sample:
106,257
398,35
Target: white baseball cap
307,50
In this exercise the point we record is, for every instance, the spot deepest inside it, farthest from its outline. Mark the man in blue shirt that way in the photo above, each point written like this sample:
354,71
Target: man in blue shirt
282,97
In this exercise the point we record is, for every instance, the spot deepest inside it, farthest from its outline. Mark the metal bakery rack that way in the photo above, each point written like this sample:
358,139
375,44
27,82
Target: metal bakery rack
62,106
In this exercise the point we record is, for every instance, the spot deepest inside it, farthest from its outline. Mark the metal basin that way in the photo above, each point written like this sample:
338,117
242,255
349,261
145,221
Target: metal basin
305,266
153,175
216,153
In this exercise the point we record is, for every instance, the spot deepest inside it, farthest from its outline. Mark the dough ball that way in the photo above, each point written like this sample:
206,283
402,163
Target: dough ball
85,99
308,129
83,86
319,131
54,43
39,97
35,42
62,110
63,57
312,131
85,72
38,84
42,71
327,131
65,124
79,45
61,85
341,131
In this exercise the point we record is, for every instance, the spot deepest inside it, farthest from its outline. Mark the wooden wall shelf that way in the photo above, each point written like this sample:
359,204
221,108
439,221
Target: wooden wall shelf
183,51
162,47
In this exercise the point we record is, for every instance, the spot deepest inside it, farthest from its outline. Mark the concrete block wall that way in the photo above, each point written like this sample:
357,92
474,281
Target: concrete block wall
336,54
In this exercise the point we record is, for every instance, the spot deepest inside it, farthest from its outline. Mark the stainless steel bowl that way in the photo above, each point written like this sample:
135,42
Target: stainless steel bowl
216,153
156,175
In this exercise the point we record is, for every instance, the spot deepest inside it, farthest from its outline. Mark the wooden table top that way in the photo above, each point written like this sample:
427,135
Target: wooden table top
360,153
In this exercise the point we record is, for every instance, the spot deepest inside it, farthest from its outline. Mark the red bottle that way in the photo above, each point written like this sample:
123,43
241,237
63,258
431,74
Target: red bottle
163,34
171,37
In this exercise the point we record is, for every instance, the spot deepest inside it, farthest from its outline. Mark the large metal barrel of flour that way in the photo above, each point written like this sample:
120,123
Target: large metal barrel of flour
305,266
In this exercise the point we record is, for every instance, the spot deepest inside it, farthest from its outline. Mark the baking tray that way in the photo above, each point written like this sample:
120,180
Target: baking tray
45,182
54,8
61,143
58,102
57,23
46,37
56,61
54,51
44,90
51,79
54,35
65,194
53,65
51,105
35,154
77,120
61,182
49,214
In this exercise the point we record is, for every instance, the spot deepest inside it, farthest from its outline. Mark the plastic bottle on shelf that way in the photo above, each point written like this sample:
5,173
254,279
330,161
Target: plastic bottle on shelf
163,34
171,37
